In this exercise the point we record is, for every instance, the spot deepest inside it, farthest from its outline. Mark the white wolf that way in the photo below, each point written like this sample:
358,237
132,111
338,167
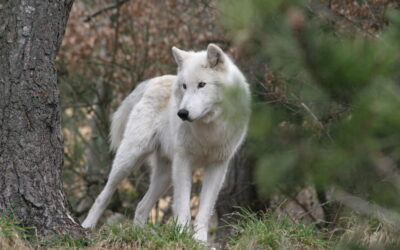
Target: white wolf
197,118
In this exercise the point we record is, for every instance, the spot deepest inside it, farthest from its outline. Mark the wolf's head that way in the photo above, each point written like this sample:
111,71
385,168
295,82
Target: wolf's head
201,82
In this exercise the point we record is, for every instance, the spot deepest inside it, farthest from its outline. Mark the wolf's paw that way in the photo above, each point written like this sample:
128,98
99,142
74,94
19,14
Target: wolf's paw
201,235
88,225
138,222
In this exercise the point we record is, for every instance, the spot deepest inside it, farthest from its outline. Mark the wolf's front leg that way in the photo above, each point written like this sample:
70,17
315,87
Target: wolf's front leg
212,182
182,184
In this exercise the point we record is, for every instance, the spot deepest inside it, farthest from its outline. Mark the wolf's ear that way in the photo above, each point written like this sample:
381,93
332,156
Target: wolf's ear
179,55
215,55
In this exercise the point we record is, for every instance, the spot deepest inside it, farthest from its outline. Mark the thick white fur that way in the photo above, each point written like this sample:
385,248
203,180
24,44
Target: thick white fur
146,126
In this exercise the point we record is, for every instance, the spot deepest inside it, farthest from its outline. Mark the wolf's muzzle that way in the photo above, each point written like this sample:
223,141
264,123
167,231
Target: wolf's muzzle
183,114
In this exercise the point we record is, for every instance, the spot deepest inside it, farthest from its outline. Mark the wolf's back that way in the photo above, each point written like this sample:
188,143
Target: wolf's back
121,116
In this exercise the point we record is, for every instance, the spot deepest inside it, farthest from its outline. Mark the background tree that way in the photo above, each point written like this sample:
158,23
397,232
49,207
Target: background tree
31,143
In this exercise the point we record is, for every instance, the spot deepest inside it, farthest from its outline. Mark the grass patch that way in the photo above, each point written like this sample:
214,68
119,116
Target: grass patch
251,231
266,231
12,235
361,232
121,236
152,236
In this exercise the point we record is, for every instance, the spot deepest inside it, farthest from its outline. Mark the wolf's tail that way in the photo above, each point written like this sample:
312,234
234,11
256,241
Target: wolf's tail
121,116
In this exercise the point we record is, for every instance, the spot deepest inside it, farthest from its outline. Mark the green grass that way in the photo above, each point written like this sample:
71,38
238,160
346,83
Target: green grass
152,236
252,231
121,236
14,236
266,231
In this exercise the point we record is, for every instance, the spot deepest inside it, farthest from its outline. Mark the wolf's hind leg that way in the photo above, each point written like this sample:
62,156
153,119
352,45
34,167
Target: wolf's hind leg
160,182
129,156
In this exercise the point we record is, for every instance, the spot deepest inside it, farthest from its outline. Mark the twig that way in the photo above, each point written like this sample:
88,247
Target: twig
105,9
384,215
309,211
316,120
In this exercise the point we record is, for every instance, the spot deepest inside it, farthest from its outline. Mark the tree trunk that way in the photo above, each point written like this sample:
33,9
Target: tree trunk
31,143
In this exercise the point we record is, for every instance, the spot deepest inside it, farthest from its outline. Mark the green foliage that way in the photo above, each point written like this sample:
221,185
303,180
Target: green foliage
334,117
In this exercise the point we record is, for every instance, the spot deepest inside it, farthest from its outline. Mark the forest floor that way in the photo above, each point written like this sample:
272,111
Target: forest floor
251,231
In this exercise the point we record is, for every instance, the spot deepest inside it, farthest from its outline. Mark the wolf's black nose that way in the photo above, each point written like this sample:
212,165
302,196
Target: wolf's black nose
183,114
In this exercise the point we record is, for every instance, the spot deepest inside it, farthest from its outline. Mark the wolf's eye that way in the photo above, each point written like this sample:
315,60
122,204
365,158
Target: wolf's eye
184,86
201,84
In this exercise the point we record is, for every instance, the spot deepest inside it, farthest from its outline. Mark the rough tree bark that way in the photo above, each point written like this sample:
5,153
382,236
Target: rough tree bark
31,143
